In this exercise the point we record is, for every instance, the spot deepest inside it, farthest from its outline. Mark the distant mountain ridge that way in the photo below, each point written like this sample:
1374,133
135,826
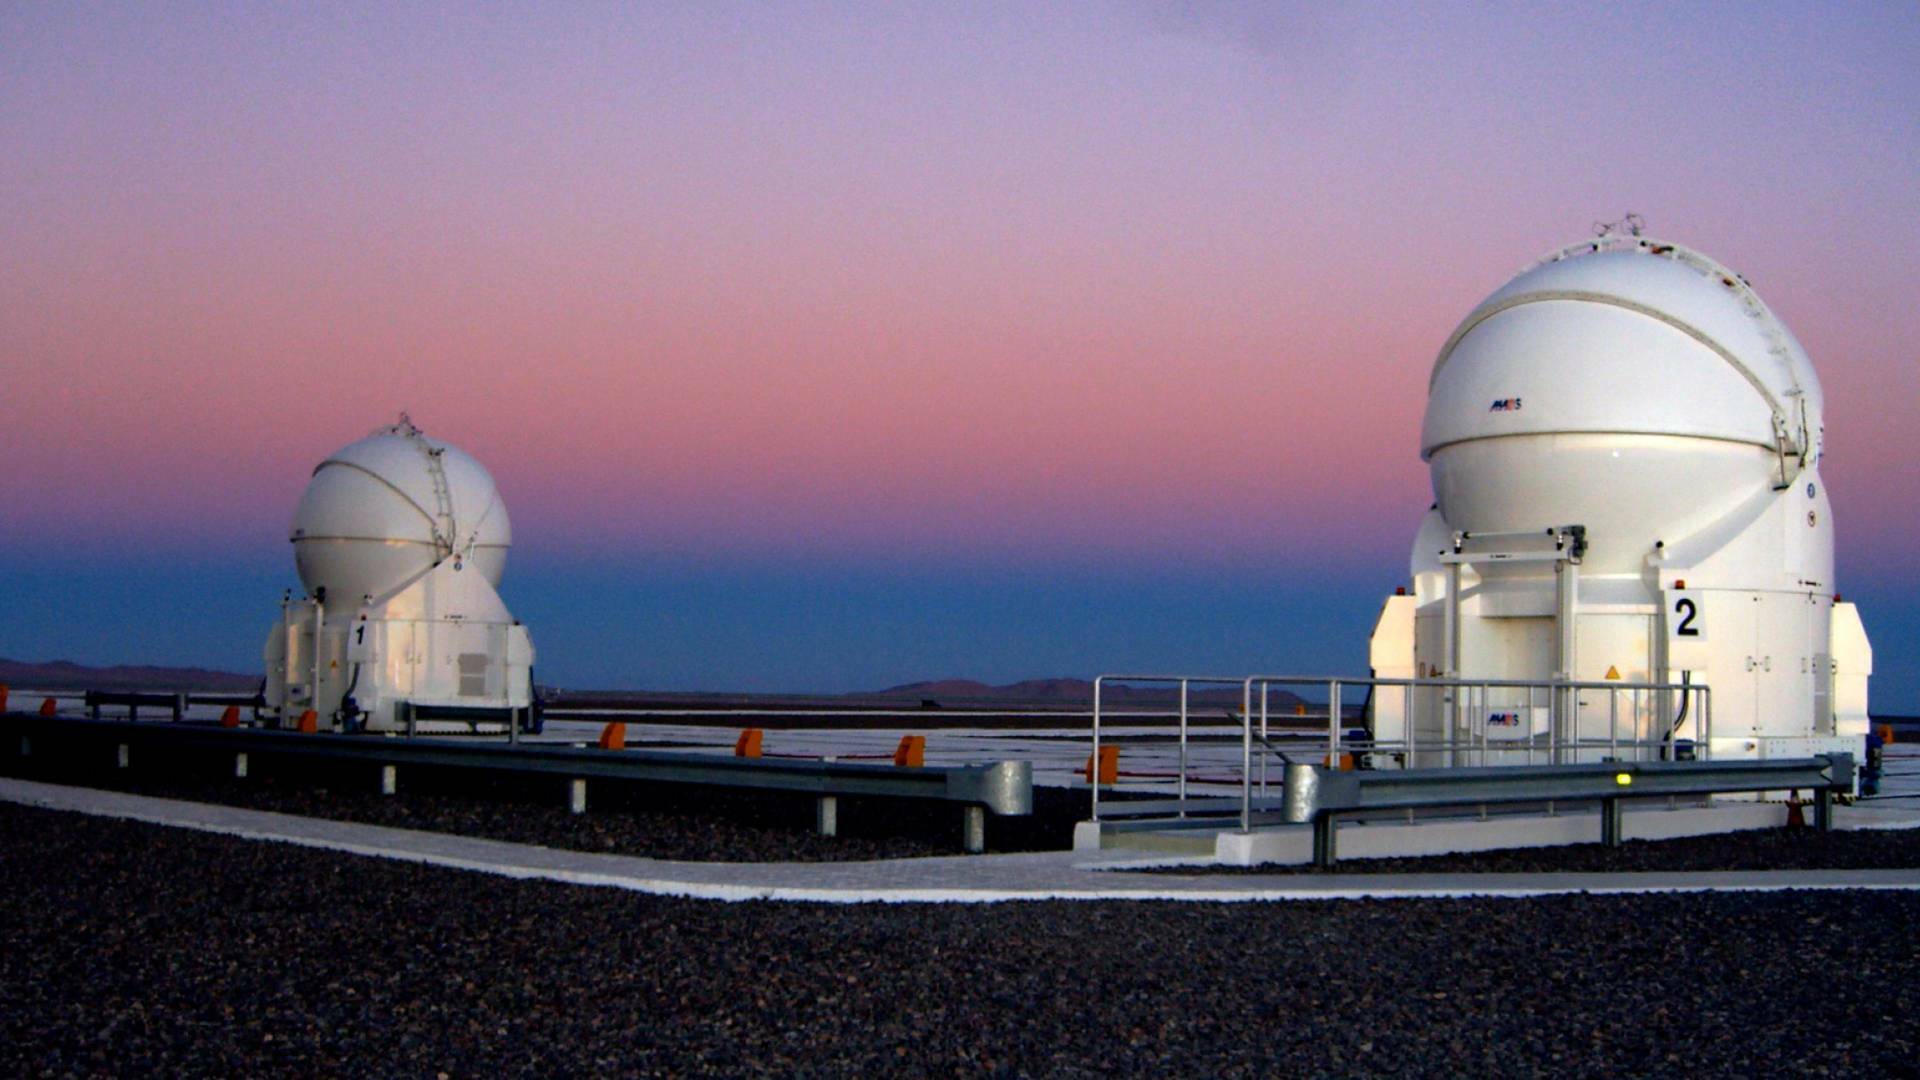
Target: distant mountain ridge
67,675
1027,690
1066,691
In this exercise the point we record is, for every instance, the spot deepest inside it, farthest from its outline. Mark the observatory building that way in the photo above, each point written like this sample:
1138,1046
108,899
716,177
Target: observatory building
1625,445
400,541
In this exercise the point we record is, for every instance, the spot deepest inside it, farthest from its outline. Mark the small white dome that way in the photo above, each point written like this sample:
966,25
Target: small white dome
382,511
1624,384
1625,334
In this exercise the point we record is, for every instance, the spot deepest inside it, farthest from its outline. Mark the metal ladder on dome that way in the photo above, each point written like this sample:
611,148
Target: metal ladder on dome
444,524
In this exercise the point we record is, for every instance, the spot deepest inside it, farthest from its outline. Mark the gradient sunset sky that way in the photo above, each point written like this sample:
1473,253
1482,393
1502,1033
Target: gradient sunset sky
830,346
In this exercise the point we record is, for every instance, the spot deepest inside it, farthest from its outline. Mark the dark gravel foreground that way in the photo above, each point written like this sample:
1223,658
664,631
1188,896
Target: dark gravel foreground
664,821
128,949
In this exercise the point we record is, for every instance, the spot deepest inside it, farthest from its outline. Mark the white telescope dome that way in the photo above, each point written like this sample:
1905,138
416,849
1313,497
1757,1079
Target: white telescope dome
1628,385
380,512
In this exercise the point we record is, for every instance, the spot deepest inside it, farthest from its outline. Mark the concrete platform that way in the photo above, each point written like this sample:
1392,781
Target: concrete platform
1380,838
1098,875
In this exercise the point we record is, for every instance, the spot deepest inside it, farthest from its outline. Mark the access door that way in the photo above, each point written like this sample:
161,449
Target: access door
1761,653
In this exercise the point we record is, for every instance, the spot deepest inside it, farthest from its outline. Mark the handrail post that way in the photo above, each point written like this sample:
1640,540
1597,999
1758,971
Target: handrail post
1246,755
1643,727
1333,724
1263,738
1613,724
1555,698
1093,763
1530,738
1486,734
1406,723
1181,787
1706,702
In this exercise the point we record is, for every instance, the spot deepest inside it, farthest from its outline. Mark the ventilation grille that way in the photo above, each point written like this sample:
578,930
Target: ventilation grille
473,674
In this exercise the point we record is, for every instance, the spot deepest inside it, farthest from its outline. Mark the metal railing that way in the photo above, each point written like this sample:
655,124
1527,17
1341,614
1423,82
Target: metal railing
1183,718
175,704
1002,788
1550,723
1317,795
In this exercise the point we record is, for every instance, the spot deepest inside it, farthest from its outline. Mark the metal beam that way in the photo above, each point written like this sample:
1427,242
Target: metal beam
1317,795
1332,790
1005,788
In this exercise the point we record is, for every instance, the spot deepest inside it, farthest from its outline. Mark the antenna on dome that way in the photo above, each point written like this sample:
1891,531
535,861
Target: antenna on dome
1631,225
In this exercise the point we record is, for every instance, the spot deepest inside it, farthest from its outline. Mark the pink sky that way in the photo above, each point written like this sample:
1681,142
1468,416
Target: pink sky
1001,281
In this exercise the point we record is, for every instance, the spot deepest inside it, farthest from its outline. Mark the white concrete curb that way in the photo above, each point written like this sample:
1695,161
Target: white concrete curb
961,879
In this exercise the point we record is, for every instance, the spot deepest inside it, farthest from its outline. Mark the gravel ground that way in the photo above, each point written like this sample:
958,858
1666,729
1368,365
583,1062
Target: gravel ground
662,821
1757,849
134,949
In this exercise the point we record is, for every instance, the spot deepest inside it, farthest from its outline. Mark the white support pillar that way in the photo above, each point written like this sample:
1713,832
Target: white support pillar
1450,624
1566,661
124,756
389,779
577,797
1565,608
239,766
1453,730
974,825
319,625
826,815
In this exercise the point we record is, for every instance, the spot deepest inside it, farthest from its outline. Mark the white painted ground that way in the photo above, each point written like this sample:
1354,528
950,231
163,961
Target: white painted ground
954,879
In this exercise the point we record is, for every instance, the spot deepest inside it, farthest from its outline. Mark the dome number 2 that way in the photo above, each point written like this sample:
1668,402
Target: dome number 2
1683,617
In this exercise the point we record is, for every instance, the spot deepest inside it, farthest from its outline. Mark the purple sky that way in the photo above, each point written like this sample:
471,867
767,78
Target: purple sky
832,346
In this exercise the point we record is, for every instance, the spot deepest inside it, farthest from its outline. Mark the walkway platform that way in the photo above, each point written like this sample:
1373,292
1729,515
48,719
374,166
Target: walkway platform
1087,875
1393,836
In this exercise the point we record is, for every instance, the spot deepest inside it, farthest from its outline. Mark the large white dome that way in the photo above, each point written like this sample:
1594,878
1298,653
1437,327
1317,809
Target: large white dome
1624,384
382,511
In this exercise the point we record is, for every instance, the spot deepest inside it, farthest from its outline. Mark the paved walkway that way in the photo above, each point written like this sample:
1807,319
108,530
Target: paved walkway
964,879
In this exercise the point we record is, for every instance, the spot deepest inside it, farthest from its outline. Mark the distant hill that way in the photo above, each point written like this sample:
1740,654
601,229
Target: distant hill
67,675
1076,690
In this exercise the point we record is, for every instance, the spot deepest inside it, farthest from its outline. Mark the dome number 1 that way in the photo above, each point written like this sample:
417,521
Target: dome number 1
359,650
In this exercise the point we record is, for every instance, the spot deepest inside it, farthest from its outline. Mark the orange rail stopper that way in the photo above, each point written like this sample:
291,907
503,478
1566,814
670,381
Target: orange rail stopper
614,736
1109,765
3,697
48,708
231,717
912,751
748,744
1345,764
309,722
1885,731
